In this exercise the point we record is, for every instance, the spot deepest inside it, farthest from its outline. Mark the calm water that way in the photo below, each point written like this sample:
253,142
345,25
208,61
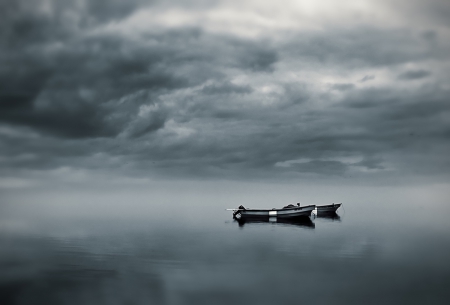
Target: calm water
79,253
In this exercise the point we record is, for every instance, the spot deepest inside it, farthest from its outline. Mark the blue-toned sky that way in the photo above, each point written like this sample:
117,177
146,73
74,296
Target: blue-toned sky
318,91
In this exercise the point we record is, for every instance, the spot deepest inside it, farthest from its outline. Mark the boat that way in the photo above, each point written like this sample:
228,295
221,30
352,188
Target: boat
327,209
289,211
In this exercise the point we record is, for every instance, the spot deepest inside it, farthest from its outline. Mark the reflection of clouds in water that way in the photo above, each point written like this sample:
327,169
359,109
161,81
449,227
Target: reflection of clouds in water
362,248
98,256
196,267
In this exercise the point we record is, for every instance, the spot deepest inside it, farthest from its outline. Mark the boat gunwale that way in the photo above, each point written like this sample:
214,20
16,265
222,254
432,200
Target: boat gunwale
337,205
312,207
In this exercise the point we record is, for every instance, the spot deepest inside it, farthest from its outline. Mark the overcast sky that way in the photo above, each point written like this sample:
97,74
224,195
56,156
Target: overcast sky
251,90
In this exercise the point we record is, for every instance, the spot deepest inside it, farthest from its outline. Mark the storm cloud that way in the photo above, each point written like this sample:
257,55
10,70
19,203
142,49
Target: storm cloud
225,89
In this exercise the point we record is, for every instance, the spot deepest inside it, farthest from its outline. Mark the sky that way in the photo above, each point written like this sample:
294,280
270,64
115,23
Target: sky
304,91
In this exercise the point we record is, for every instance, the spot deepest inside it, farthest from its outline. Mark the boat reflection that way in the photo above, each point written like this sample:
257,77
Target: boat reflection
333,216
304,222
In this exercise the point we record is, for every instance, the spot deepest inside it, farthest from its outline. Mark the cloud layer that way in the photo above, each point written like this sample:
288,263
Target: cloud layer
226,89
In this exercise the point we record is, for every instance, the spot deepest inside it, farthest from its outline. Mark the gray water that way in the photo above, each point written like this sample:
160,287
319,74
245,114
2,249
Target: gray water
152,253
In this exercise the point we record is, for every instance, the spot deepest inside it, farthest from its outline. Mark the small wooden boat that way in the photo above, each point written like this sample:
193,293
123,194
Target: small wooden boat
289,211
327,209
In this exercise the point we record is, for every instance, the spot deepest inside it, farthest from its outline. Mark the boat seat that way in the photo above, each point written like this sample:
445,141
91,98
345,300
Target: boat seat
289,206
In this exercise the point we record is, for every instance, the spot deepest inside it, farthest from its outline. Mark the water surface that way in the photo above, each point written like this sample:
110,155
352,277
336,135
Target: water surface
79,253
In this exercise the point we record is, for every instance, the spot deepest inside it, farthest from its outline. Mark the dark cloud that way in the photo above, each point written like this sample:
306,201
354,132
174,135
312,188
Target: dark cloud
226,88
342,87
367,78
80,87
357,48
149,121
430,36
295,93
414,74
321,167
259,59
370,163
25,23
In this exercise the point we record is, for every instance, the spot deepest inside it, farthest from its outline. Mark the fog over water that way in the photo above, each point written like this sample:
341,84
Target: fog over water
128,127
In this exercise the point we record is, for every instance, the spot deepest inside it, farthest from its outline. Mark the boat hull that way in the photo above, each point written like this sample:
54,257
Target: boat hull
328,209
279,213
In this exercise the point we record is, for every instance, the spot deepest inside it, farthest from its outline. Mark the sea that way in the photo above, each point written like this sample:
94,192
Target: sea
384,246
